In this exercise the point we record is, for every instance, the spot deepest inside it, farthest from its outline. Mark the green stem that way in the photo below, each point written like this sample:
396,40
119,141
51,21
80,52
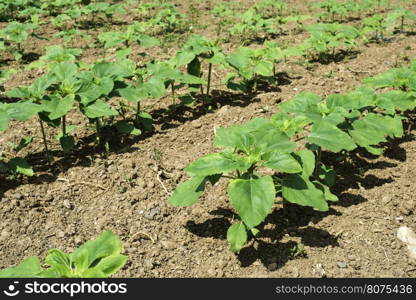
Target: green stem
98,128
209,78
318,162
64,126
137,111
45,143
173,93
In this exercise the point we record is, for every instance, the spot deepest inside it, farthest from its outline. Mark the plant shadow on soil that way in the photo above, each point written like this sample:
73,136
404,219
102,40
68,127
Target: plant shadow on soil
335,58
297,221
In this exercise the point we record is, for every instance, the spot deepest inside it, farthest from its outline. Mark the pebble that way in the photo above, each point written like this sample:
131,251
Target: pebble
197,124
17,196
272,267
168,245
141,183
67,204
154,212
342,265
295,272
131,250
151,184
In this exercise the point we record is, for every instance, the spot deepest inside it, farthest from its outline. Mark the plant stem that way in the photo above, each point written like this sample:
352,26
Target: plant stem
98,128
137,111
173,93
64,126
209,78
318,162
45,143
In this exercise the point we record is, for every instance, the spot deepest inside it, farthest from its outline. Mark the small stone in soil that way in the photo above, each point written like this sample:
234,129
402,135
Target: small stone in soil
341,265
272,267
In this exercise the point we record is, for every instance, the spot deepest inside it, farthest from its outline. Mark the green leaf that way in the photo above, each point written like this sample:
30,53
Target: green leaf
4,120
327,175
57,258
237,236
264,68
148,41
252,198
302,191
28,268
67,143
125,127
216,163
234,137
155,88
58,107
107,266
307,159
106,244
24,142
146,120
20,165
99,109
133,93
188,192
282,162
22,111
329,196
330,137
64,71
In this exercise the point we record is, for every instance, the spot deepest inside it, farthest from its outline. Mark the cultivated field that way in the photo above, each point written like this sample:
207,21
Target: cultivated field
213,139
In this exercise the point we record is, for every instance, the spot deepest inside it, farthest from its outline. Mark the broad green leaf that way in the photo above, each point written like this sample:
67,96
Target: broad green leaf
264,68
282,162
188,192
58,107
20,165
307,160
155,88
252,198
301,103
400,100
237,236
107,266
125,127
22,111
134,94
28,268
24,142
329,196
148,41
302,191
330,137
146,120
4,120
234,137
106,85
56,257
67,143
184,57
64,71
106,244
216,163
99,109
271,138
327,175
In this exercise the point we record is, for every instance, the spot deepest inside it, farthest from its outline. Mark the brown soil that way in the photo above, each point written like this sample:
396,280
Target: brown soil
79,196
